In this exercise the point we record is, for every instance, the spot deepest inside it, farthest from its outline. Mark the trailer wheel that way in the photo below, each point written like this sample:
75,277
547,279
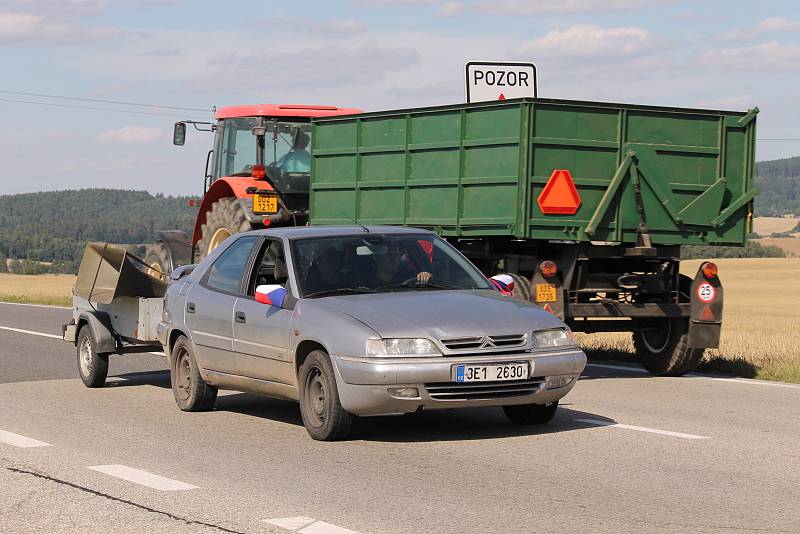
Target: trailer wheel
522,287
157,259
92,367
531,414
192,393
665,352
225,218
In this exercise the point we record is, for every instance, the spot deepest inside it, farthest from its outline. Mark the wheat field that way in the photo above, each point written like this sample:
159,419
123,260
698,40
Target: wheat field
53,289
767,225
761,321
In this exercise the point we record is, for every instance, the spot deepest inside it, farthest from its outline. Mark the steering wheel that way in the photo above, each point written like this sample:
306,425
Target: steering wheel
413,280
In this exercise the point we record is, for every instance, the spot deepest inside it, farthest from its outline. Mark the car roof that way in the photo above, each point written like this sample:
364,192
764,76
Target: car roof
299,232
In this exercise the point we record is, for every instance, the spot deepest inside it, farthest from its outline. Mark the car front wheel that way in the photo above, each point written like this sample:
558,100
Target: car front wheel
323,415
531,414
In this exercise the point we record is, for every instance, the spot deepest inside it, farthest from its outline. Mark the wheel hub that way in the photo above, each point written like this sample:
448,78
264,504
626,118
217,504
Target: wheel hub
184,372
86,356
220,235
316,397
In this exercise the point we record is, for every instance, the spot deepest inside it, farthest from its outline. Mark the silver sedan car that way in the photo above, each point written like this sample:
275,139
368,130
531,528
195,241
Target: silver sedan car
353,321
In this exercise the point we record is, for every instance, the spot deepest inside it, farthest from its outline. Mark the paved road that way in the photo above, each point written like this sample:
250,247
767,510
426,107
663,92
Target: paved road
627,452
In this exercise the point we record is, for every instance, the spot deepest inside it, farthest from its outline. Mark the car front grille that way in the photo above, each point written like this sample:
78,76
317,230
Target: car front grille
450,391
477,343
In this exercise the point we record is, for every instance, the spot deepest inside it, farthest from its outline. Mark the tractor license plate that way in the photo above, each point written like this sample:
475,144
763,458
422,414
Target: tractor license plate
265,203
546,293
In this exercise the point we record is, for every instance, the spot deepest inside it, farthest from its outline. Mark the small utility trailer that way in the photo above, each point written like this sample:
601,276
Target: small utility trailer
116,307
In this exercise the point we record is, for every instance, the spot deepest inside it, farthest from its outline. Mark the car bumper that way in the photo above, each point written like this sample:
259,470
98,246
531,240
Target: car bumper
369,386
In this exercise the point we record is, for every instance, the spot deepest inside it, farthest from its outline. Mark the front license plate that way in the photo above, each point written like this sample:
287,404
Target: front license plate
265,203
546,293
492,373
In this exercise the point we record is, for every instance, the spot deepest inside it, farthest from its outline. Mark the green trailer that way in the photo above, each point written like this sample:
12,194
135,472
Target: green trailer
586,204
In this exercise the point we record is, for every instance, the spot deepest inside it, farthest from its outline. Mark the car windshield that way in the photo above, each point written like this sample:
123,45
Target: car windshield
371,263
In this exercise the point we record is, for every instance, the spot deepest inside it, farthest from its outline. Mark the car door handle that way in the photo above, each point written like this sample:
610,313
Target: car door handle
190,307
240,317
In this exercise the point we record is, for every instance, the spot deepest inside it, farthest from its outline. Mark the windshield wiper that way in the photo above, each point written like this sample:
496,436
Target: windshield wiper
340,291
412,287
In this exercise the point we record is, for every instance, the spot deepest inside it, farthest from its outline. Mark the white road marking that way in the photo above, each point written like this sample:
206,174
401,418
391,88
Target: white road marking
16,440
618,367
308,525
144,478
31,332
750,381
37,305
642,429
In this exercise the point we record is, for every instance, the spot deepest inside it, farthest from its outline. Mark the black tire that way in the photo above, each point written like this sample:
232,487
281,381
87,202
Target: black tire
92,367
323,415
531,414
522,287
665,352
226,216
157,258
192,393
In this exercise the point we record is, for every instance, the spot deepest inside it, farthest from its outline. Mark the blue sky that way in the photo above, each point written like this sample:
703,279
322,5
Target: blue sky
372,54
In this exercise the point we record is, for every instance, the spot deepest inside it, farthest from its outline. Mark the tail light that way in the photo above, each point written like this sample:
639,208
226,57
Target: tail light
259,172
548,268
710,269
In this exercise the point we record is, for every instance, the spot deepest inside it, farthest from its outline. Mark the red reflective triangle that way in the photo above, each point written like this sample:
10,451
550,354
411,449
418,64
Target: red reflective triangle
501,97
707,314
547,307
559,195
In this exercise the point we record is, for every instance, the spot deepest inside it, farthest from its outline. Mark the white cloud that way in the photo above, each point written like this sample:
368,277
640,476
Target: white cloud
450,9
530,7
333,27
131,134
739,102
769,25
589,41
770,56
384,3
28,27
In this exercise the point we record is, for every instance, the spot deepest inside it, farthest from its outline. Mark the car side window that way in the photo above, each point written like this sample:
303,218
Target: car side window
270,267
226,273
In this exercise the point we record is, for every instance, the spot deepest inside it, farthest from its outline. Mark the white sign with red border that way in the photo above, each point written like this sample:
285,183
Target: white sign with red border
706,292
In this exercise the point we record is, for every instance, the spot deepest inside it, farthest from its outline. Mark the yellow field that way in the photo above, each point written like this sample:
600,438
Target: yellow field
55,289
761,320
767,225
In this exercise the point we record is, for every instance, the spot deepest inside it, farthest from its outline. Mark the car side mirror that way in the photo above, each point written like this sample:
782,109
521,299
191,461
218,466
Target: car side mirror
271,294
179,134
503,283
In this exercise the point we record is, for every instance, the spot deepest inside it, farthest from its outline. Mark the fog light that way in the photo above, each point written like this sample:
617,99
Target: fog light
404,393
555,382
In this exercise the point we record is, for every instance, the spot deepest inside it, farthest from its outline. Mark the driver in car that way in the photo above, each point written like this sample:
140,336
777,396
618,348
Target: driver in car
388,271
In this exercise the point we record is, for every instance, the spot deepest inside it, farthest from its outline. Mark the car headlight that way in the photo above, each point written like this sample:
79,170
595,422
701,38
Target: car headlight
556,337
402,347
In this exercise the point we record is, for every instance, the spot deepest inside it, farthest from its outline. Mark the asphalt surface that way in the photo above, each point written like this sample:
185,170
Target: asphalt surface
625,453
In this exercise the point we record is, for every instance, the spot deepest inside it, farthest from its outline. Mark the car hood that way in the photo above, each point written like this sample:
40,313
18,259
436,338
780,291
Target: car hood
442,314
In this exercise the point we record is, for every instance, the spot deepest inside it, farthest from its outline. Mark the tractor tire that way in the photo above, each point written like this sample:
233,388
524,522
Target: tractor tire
225,218
157,259
665,352
522,287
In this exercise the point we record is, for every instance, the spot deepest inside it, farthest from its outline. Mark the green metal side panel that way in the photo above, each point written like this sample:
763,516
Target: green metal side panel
478,169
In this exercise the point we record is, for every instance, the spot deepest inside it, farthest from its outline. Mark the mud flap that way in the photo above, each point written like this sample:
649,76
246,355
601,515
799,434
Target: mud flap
705,321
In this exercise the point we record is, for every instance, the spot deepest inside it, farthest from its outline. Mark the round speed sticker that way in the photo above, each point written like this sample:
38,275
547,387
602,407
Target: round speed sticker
706,292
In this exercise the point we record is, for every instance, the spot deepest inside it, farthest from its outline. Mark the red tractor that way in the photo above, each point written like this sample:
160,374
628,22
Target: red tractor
257,175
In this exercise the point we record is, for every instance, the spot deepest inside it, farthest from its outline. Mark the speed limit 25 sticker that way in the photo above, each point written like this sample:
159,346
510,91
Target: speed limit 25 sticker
706,292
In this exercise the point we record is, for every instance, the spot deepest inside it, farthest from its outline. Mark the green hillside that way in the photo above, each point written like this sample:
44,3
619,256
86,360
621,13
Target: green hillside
778,184
54,226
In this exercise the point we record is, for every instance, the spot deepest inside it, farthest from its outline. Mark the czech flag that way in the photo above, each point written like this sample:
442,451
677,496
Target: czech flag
503,283
272,294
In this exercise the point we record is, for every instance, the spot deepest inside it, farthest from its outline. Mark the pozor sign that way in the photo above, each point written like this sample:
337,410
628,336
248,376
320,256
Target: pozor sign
490,80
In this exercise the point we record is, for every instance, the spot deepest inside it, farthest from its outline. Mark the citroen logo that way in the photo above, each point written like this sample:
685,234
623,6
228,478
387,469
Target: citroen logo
487,342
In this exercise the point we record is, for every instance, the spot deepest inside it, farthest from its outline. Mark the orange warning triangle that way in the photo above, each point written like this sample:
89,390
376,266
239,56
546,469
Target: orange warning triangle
547,307
707,314
559,194
501,97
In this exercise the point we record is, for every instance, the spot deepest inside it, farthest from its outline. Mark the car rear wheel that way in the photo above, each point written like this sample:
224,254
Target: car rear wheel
531,414
192,393
323,415
92,367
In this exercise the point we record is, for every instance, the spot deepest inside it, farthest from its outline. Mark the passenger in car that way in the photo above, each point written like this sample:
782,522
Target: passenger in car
325,272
